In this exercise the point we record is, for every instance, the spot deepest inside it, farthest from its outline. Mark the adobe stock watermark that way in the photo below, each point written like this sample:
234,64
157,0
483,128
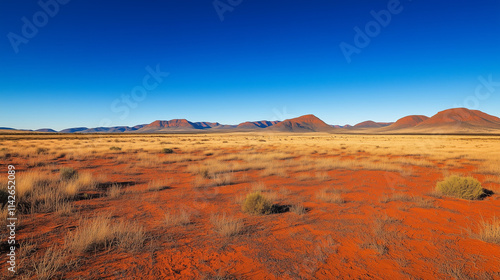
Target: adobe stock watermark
39,19
281,115
223,6
11,219
126,102
373,28
484,89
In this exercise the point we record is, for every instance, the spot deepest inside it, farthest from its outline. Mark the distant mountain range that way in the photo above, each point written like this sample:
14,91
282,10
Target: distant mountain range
451,121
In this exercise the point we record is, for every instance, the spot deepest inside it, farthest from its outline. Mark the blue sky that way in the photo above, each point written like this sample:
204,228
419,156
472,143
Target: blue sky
265,60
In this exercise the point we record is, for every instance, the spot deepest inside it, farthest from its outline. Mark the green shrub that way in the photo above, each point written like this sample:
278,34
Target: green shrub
67,173
167,151
114,148
460,187
256,203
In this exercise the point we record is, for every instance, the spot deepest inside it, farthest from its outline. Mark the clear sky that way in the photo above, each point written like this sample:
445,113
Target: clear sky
84,63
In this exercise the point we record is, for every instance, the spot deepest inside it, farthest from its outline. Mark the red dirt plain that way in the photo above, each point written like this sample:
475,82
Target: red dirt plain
390,224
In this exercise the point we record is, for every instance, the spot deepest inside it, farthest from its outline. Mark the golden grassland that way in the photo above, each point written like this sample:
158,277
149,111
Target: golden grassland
256,162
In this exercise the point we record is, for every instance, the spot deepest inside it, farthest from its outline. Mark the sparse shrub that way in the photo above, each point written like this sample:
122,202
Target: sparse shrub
67,173
167,151
256,203
226,225
460,187
114,148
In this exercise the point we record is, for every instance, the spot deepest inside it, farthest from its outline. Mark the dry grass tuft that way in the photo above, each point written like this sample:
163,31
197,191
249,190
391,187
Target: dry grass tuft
49,265
64,208
226,225
27,181
322,176
158,185
298,209
396,197
223,179
115,191
40,193
101,233
330,196
423,202
489,231
182,218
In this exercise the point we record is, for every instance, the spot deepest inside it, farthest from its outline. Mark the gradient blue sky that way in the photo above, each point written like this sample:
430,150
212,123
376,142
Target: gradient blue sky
266,60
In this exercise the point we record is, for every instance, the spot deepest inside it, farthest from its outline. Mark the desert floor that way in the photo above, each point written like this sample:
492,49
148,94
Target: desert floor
345,206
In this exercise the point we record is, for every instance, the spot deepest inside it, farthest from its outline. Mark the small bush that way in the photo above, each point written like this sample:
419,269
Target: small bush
167,151
256,203
67,173
460,187
114,148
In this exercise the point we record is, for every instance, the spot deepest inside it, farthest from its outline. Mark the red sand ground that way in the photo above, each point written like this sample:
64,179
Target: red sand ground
330,241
